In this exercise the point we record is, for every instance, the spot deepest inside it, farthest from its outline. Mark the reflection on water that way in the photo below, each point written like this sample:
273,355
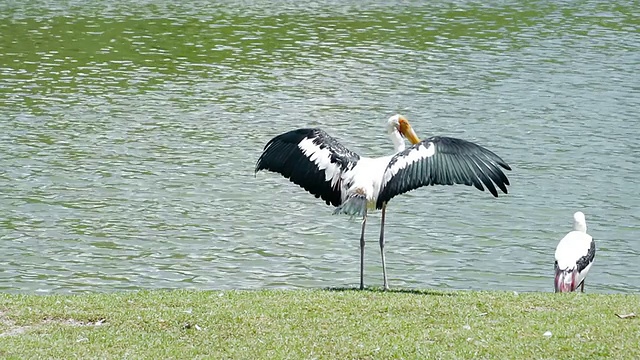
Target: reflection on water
131,131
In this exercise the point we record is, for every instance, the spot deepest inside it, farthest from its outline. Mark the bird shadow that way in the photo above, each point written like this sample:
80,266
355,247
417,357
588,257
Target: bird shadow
396,291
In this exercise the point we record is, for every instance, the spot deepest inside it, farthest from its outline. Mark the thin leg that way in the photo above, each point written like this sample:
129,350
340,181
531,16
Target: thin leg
582,286
364,222
384,265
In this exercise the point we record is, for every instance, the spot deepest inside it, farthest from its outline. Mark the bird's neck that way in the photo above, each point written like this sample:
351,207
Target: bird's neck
577,226
398,141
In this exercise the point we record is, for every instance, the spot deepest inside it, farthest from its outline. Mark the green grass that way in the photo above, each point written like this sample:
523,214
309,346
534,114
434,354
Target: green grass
319,324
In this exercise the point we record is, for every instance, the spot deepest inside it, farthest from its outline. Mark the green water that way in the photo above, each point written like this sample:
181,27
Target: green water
129,132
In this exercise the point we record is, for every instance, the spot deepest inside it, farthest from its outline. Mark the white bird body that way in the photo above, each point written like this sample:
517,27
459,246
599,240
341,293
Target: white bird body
365,177
574,256
321,165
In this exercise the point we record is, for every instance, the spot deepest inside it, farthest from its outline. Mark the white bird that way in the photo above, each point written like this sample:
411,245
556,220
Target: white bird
321,165
574,256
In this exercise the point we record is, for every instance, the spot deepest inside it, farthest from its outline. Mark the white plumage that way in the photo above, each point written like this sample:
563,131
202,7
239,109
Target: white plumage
575,254
314,160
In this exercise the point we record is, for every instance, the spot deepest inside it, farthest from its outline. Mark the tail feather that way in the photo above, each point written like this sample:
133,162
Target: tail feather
356,204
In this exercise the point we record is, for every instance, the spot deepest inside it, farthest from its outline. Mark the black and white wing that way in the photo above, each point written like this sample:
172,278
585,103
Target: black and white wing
310,158
586,260
443,161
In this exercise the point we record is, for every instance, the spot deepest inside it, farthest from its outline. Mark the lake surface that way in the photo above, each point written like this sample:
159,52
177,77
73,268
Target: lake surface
129,133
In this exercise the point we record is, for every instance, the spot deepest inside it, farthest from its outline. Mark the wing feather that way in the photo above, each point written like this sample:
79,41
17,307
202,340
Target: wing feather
587,259
483,173
443,161
310,158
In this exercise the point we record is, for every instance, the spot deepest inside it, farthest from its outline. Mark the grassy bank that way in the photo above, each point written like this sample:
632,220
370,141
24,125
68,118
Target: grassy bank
319,324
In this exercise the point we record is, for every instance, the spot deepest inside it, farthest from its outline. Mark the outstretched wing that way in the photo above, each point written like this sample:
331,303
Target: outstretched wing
310,158
443,161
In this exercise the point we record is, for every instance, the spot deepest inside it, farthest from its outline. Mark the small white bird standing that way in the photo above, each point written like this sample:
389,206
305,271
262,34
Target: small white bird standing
574,256
314,160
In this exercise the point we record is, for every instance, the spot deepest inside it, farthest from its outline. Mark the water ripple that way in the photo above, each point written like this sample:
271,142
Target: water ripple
131,132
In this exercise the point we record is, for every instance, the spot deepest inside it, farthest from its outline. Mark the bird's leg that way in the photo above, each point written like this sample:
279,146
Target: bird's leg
364,222
384,265
582,286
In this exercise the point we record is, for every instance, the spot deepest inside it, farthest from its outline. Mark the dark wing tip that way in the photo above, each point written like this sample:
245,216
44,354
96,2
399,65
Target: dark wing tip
492,165
292,137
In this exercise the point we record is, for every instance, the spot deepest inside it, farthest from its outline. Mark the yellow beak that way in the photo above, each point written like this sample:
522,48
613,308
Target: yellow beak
406,130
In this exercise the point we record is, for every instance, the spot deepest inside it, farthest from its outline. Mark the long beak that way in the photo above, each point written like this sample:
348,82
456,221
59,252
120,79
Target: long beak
565,280
407,131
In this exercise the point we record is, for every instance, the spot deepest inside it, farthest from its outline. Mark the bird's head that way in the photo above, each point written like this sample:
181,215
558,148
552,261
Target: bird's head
400,124
565,280
579,222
